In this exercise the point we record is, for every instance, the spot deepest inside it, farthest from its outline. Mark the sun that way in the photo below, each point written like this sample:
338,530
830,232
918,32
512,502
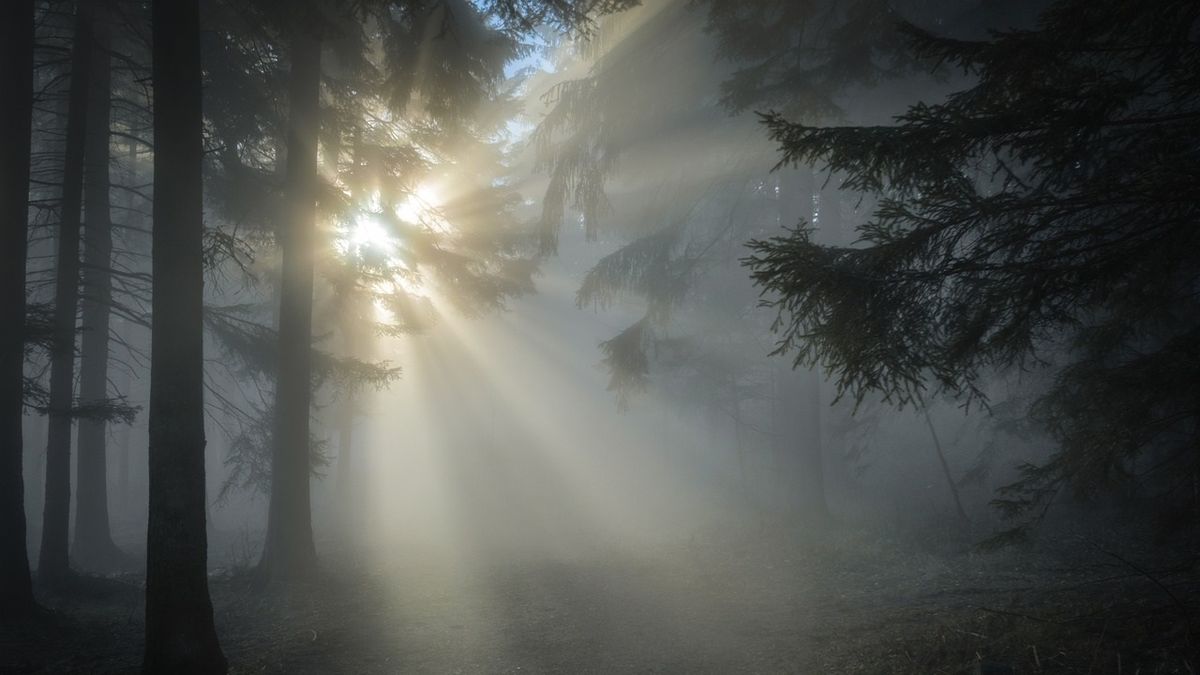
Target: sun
421,206
371,233
368,232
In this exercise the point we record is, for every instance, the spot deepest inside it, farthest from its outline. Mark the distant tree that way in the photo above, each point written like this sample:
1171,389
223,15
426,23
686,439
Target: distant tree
93,545
1046,214
16,115
180,635
800,55
289,551
441,61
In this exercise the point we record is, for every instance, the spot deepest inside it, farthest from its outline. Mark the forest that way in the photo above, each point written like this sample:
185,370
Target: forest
600,336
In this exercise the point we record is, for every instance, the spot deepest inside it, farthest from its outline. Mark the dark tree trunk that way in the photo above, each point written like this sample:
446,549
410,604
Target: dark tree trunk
180,635
94,548
289,552
798,392
53,565
16,111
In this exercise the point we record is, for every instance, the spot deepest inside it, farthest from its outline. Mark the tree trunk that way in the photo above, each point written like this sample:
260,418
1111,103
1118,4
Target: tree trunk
131,218
830,215
350,325
94,548
799,391
34,436
16,115
122,443
798,429
345,462
53,566
289,552
937,446
180,635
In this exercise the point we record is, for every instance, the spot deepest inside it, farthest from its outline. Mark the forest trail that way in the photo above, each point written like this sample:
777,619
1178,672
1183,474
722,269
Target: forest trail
603,611
749,604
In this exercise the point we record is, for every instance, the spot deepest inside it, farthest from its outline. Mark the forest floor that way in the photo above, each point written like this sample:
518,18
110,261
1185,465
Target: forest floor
846,603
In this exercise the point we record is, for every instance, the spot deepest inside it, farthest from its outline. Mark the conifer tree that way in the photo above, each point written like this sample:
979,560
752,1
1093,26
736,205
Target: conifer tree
1044,214
53,561
93,546
16,114
180,635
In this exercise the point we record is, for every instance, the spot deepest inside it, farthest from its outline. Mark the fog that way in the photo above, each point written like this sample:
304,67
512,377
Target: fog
567,336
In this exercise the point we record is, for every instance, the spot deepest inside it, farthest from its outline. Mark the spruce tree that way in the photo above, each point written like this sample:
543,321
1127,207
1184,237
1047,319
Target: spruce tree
53,560
180,635
93,547
16,114
1044,215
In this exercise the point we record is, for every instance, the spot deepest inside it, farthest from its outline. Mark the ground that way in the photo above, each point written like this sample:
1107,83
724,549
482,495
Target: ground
757,602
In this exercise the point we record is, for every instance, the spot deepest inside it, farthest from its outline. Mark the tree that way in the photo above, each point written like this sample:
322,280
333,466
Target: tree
16,114
289,551
798,54
93,545
180,635
441,64
1044,215
53,561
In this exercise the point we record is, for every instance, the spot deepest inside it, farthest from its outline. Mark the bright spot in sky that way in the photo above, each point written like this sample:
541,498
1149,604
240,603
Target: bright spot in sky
371,235
419,207
369,232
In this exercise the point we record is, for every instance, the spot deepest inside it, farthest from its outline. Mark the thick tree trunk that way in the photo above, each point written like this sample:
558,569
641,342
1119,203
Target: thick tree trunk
180,635
94,548
289,552
798,409
16,111
53,566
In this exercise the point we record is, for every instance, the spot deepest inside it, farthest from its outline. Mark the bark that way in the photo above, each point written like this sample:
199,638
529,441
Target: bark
94,548
53,565
289,552
180,635
16,111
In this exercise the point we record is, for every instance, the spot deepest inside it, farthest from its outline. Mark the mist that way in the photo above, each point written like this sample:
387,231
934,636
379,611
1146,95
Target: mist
568,336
